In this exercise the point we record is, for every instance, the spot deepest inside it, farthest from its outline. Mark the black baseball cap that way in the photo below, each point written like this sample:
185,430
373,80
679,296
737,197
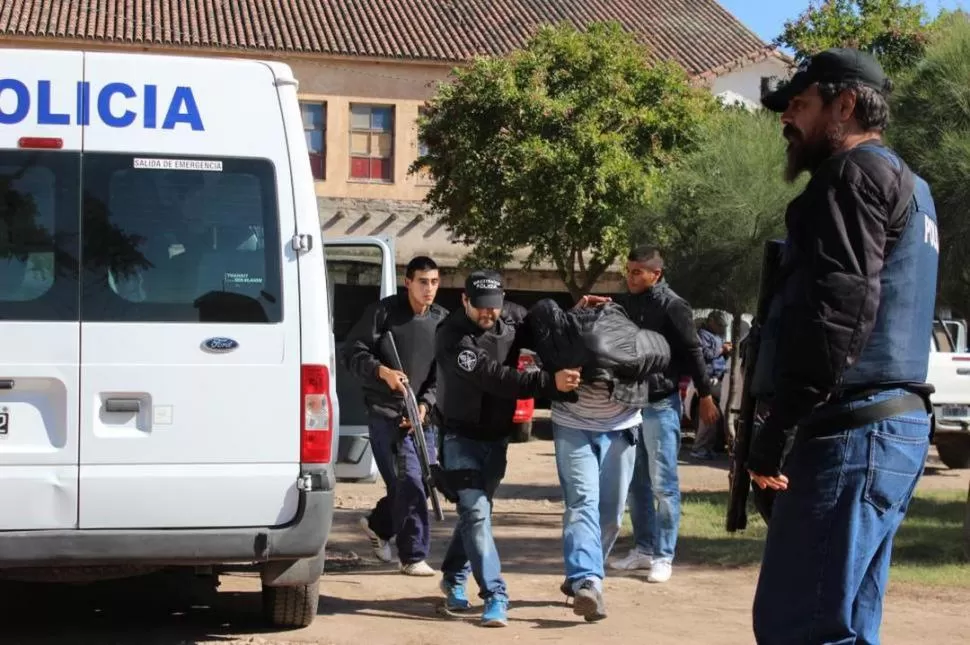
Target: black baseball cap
485,289
836,65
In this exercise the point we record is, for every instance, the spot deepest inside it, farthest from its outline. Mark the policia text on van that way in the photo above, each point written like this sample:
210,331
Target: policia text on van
180,106
165,342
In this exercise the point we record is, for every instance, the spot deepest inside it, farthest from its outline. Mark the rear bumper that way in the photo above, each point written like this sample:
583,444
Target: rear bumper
950,426
303,537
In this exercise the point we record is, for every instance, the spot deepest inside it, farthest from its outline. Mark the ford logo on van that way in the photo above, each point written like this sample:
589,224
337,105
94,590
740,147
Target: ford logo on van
219,345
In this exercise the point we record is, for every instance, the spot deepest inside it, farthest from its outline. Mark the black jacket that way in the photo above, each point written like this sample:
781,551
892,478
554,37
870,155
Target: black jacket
839,229
604,342
661,310
367,348
478,378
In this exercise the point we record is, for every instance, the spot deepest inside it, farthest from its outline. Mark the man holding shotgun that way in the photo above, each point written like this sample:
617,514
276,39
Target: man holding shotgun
410,319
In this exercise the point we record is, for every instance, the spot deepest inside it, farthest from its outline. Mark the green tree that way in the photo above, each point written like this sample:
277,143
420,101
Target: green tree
931,130
895,31
553,147
724,201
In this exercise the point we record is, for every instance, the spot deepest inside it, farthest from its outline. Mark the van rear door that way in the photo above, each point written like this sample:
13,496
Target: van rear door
40,144
360,271
190,357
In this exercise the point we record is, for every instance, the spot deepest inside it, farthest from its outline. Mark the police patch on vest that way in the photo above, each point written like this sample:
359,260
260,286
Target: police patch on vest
467,360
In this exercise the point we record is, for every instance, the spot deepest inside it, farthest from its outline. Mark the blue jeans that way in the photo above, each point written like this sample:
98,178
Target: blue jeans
472,546
403,512
594,469
655,490
826,559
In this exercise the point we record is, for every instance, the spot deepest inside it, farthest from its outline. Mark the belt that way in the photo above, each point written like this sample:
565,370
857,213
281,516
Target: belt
655,396
836,419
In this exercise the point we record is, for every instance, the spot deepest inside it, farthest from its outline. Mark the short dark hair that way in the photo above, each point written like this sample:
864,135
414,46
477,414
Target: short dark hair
649,255
717,317
420,263
871,105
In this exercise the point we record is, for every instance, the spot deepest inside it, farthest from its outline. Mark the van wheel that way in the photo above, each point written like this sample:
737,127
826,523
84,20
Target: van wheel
522,433
954,449
291,606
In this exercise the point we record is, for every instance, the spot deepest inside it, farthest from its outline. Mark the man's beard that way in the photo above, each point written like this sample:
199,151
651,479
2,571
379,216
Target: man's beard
808,154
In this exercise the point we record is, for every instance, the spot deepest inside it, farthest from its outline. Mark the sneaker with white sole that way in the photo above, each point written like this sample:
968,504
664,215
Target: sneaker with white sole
419,569
381,548
660,571
634,560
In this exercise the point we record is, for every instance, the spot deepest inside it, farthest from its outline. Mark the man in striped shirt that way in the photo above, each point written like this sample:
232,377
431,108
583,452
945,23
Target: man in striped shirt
595,441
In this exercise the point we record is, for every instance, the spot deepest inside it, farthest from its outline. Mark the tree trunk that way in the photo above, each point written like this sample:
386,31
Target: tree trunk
569,274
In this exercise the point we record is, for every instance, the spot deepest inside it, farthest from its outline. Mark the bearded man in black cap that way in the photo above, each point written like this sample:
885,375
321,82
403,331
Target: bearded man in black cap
852,314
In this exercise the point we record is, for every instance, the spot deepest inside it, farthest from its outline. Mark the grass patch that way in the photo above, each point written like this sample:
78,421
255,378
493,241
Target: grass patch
928,548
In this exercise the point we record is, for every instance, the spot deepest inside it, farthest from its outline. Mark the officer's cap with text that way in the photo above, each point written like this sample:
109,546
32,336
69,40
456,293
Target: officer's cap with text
836,65
485,289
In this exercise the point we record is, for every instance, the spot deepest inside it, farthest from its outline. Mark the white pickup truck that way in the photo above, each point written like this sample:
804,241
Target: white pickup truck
949,372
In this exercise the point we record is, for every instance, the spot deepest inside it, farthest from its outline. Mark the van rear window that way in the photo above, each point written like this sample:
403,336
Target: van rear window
39,235
173,240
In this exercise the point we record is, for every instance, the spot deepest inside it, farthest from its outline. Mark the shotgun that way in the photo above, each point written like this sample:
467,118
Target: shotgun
414,416
757,348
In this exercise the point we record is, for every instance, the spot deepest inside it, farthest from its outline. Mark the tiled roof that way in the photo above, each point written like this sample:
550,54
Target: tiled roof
698,34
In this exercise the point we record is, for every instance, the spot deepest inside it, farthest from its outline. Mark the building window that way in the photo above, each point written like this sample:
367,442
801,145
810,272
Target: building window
371,142
315,129
422,146
422,176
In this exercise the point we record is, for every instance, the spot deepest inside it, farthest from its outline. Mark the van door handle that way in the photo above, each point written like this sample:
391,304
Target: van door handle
963,371
122,405
6,384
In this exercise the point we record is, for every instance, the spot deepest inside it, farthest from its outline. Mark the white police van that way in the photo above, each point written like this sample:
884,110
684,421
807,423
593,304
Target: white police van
166,361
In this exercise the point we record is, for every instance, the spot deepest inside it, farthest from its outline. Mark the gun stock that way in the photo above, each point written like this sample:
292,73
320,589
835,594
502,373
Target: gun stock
417,428
739,481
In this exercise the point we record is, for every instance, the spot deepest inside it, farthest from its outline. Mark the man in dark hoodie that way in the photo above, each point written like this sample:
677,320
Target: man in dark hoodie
412,317
655,490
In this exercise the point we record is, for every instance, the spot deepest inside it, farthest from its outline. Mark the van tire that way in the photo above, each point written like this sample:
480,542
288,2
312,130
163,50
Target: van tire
954,449
294,606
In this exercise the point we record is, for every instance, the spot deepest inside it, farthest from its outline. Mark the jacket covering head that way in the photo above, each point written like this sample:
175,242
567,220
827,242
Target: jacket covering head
603,342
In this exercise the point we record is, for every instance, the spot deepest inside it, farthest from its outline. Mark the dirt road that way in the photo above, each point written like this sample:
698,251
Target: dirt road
365,602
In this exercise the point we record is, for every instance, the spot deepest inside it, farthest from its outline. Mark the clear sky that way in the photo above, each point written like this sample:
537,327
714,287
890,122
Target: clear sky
767,17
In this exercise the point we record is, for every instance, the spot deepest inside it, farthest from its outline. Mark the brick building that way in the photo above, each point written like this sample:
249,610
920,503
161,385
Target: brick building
367,66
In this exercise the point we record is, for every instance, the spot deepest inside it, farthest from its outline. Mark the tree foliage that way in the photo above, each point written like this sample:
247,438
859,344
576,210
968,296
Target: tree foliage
895,31
553,147
931,130
724,201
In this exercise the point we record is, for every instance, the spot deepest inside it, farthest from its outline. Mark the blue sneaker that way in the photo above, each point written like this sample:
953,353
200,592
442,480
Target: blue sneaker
496,612
455,598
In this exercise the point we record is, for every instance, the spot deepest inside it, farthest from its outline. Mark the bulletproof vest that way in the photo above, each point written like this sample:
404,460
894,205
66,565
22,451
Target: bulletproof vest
460,401
897,350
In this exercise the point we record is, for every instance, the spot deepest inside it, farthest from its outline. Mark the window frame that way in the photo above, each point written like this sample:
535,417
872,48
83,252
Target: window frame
423,175
324,107
98,301
370,131
61,301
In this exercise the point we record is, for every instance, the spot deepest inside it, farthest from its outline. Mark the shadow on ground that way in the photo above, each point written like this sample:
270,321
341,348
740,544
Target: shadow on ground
165,608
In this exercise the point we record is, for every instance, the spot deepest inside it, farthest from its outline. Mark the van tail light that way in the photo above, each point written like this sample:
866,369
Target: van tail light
316,434
40,143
